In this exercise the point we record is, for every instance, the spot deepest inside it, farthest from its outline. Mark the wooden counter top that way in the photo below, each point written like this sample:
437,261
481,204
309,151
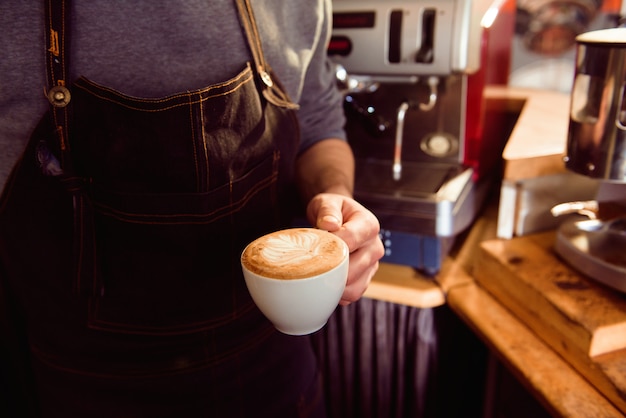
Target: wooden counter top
553,381
404,285
581,320
536,145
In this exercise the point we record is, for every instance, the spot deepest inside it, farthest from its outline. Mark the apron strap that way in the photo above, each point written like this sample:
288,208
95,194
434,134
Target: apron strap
271,90
85,277
56,70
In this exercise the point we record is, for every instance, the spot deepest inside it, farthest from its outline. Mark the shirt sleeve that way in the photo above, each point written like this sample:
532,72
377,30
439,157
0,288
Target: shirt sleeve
321,111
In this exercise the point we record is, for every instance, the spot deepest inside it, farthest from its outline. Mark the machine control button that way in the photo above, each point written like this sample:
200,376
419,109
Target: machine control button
439,144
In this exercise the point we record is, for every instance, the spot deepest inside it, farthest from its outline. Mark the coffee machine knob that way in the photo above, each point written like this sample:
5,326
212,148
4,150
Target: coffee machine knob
439,144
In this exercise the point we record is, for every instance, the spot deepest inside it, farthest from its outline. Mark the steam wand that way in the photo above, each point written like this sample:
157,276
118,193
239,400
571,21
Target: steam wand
397,151
433,82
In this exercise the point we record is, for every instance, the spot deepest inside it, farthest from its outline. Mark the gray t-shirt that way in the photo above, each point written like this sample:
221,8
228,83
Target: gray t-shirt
149,48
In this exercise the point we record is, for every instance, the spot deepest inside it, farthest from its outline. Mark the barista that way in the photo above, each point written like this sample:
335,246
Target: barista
167,142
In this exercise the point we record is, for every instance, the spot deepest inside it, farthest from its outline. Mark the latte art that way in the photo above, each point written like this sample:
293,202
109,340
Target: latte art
291,248
294,253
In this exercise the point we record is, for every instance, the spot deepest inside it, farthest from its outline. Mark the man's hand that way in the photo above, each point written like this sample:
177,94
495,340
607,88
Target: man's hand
359,228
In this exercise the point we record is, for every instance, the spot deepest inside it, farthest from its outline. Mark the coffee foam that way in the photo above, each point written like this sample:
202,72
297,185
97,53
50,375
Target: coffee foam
294,253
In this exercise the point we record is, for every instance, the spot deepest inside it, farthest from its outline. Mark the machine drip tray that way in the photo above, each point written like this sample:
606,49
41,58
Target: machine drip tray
421,213
418,180
429,199
595,248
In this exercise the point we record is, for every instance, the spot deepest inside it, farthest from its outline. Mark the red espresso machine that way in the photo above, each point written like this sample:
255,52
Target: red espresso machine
413,73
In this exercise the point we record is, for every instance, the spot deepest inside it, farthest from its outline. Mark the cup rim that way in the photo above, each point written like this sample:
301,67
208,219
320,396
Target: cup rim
344,260
300,279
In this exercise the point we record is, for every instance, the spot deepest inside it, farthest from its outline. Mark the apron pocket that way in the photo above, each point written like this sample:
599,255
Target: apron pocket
169,263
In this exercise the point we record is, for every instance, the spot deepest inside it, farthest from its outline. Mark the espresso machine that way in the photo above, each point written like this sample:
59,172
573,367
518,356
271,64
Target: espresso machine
596,147
413,74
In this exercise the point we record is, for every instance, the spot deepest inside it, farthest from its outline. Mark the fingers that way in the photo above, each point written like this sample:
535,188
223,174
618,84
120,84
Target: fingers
359,228
355,290
350,220
363,265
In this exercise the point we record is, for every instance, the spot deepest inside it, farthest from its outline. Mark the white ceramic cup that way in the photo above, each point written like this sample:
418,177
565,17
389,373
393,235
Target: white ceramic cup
296,277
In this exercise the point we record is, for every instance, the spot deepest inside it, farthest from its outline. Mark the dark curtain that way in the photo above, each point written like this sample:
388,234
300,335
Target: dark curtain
383,360
379,360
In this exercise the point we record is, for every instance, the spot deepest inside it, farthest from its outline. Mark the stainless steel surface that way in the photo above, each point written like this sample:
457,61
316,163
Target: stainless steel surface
448,30
596,147
528,206
596,144
588,208
597,249
429,199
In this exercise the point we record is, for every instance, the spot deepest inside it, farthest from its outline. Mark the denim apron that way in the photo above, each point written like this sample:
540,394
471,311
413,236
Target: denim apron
120,233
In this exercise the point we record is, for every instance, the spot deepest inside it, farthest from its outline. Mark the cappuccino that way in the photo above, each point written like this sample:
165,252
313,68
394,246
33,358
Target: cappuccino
294,253
271,263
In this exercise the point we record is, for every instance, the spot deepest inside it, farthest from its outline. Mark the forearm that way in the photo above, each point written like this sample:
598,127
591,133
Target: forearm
326,167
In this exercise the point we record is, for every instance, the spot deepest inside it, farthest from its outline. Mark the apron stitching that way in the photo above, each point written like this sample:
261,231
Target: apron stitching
52,35
213,360
79,202
56,60
231,207
233,292
207,163
256,38
201,98
63,58
186,328
192,123
271,91
244,76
